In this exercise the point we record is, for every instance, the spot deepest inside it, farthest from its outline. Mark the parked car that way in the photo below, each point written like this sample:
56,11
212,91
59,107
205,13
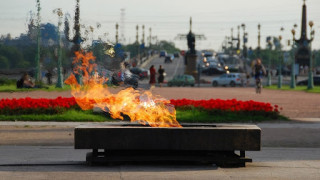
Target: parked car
142,73
176,55
285,71
211,66
232,67
316,81
213,70
182,53
207,54
163,54
232,79
182,80
169,58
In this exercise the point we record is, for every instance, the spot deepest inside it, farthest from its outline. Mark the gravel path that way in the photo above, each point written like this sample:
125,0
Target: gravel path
295,104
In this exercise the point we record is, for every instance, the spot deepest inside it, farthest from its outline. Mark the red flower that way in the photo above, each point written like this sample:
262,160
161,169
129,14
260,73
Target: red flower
211,104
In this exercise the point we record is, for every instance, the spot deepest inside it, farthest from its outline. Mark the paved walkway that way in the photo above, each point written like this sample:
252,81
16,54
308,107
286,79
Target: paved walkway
63,162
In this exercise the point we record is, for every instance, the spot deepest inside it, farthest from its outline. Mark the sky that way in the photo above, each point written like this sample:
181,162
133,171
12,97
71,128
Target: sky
168,18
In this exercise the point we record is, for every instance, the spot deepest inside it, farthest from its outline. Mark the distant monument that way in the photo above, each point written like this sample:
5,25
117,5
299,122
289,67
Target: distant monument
191,55
303,54
191,40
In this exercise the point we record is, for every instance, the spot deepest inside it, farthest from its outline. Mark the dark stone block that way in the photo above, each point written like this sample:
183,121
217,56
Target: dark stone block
192,137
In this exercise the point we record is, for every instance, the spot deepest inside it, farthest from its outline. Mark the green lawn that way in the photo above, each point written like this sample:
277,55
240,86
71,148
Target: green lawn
71,115
316,89
13,88
190,116
195,116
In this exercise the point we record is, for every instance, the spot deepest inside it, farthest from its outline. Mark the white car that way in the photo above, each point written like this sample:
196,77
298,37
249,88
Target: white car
232,79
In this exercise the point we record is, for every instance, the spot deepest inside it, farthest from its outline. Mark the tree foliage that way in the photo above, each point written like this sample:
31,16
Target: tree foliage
14,56
4,63
136,48
167,46
275,56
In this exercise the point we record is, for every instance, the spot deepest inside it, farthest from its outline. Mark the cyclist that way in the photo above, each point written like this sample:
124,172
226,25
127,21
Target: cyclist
258,70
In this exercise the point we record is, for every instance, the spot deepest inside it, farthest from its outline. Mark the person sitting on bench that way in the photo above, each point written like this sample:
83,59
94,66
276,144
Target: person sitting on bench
25,82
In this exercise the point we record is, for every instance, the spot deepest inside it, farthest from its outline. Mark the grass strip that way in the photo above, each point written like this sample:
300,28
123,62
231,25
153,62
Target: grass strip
70,116
189,116
196,116
316,89
13,88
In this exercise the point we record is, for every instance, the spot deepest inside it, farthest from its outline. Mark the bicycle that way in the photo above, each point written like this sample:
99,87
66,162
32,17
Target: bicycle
258,85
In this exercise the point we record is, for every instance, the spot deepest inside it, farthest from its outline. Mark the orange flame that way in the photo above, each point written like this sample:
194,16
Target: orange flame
142,107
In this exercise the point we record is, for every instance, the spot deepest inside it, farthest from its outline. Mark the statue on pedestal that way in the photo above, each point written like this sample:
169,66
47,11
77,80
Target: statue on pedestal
191,40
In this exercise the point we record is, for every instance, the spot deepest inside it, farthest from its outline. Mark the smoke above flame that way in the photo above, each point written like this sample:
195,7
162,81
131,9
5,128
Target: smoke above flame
139,106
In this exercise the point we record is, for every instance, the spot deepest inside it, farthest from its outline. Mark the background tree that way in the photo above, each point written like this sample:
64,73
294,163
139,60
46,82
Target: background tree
4,63
14,56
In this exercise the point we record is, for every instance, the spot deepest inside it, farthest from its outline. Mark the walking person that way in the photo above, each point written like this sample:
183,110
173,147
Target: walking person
49,76
161,75
247,79
152,76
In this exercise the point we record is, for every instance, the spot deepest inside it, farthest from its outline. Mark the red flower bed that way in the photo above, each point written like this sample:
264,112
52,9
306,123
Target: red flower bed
225,105
58,105
42,105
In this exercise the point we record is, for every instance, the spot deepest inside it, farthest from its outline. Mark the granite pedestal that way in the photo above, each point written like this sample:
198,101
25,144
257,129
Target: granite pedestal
193,142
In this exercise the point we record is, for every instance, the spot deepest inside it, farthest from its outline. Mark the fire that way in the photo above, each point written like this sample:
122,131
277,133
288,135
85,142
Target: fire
141,107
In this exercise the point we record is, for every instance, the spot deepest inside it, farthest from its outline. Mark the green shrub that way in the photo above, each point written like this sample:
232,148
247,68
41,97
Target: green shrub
6,81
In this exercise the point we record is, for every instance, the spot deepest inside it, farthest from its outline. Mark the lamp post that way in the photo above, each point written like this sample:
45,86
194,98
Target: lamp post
150,37
117,33
142,42
269,83
244,41
60,79
137,42
310,75
231,41
37,75
280,62
259,36
137,35
238,43
293,79
199,72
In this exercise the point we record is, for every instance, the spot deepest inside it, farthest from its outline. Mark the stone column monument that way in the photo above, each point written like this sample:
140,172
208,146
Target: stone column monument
191,56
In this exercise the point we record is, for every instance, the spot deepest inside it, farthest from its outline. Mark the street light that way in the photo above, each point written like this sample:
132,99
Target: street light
238,44
293,80
244,41
310,80
37,59
259,47
117,33
269,60
231,42
280,61
137,42
60,79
